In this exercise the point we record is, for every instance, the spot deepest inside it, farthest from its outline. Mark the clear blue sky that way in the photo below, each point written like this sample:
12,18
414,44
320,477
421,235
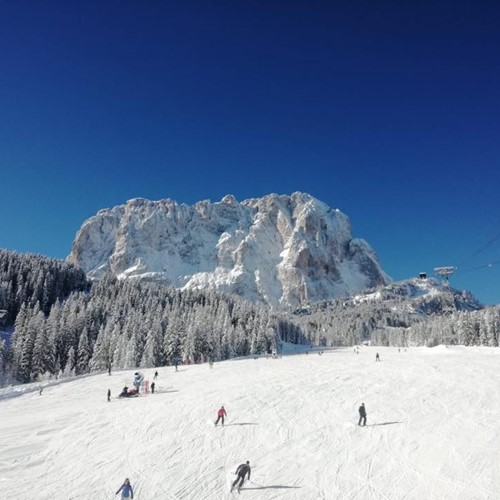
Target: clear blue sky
389,111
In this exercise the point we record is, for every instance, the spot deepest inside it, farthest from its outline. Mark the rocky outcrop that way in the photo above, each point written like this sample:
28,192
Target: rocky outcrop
280,250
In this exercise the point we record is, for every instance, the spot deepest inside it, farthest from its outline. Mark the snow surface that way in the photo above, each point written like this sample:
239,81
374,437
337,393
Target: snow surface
432,430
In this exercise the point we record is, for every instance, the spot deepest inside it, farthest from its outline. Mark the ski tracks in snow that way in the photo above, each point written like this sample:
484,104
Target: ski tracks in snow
431,431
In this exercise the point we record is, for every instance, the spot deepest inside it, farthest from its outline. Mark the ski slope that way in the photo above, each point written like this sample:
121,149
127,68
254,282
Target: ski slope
432,431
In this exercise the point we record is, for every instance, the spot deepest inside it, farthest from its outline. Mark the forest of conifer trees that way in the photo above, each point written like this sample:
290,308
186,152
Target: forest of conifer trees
117,324
56,323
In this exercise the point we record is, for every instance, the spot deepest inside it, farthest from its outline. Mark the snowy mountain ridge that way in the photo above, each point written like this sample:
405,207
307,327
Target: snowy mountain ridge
427,296
280,250
401,304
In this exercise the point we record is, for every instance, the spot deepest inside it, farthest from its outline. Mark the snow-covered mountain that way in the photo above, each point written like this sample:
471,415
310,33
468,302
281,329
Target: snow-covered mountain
280,250
424,296
401,304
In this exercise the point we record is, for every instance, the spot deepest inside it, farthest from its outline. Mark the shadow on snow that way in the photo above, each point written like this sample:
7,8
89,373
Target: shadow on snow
242,423
383,423
272,487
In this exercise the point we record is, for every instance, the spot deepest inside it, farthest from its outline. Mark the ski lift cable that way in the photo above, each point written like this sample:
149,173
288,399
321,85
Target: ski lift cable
481,249
490,264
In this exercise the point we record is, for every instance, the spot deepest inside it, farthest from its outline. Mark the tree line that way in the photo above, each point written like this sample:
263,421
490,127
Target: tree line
63,324
127,324
401,321
31,279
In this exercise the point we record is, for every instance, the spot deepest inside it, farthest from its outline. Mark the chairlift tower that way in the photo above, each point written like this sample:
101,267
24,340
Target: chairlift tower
445,272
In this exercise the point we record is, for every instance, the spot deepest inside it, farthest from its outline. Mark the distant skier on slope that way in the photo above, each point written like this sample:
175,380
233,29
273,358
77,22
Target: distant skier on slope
126,489
241,471
138,378
377,357
109,395
156,375
220,415
362,414
152,387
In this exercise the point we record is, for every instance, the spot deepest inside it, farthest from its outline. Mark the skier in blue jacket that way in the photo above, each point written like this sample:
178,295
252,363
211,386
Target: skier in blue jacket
126,489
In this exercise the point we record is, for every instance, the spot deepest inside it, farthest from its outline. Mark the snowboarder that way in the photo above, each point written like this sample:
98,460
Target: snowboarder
176,363
362,414
220,415
156,376
152,387
377,357
241,471
126,489
109,395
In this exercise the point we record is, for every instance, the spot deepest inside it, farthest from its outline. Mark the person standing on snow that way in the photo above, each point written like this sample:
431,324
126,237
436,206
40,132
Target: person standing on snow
109,395
126,489
152,387
156,375
220,415
241,471
362,414
377,357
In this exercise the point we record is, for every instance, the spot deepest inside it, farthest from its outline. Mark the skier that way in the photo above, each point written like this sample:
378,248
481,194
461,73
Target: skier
138,378
241,471
362,414
377,357
176,363
152,387
220,415
126,489
156,375
109,395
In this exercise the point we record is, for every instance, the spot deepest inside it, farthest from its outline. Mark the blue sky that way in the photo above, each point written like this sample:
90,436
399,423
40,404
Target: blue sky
389,111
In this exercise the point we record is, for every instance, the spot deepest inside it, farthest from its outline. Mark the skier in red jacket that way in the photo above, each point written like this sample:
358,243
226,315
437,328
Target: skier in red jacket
220,415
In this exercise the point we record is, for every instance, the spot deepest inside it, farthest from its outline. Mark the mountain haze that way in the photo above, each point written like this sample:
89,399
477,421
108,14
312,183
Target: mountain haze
280,250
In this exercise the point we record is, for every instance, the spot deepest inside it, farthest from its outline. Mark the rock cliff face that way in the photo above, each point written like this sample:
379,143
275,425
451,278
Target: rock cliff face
280,250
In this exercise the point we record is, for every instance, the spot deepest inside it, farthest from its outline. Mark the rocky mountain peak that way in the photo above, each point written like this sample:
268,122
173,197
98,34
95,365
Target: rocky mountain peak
278,249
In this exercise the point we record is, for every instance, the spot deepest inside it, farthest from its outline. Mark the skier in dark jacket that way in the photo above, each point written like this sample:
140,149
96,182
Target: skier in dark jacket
109,394
241,471
126,489
362,414
377,357
152,387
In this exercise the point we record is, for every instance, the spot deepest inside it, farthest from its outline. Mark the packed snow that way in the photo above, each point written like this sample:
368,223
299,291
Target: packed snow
432,430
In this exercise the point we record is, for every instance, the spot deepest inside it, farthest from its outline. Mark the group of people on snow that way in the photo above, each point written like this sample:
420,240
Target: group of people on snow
243,471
